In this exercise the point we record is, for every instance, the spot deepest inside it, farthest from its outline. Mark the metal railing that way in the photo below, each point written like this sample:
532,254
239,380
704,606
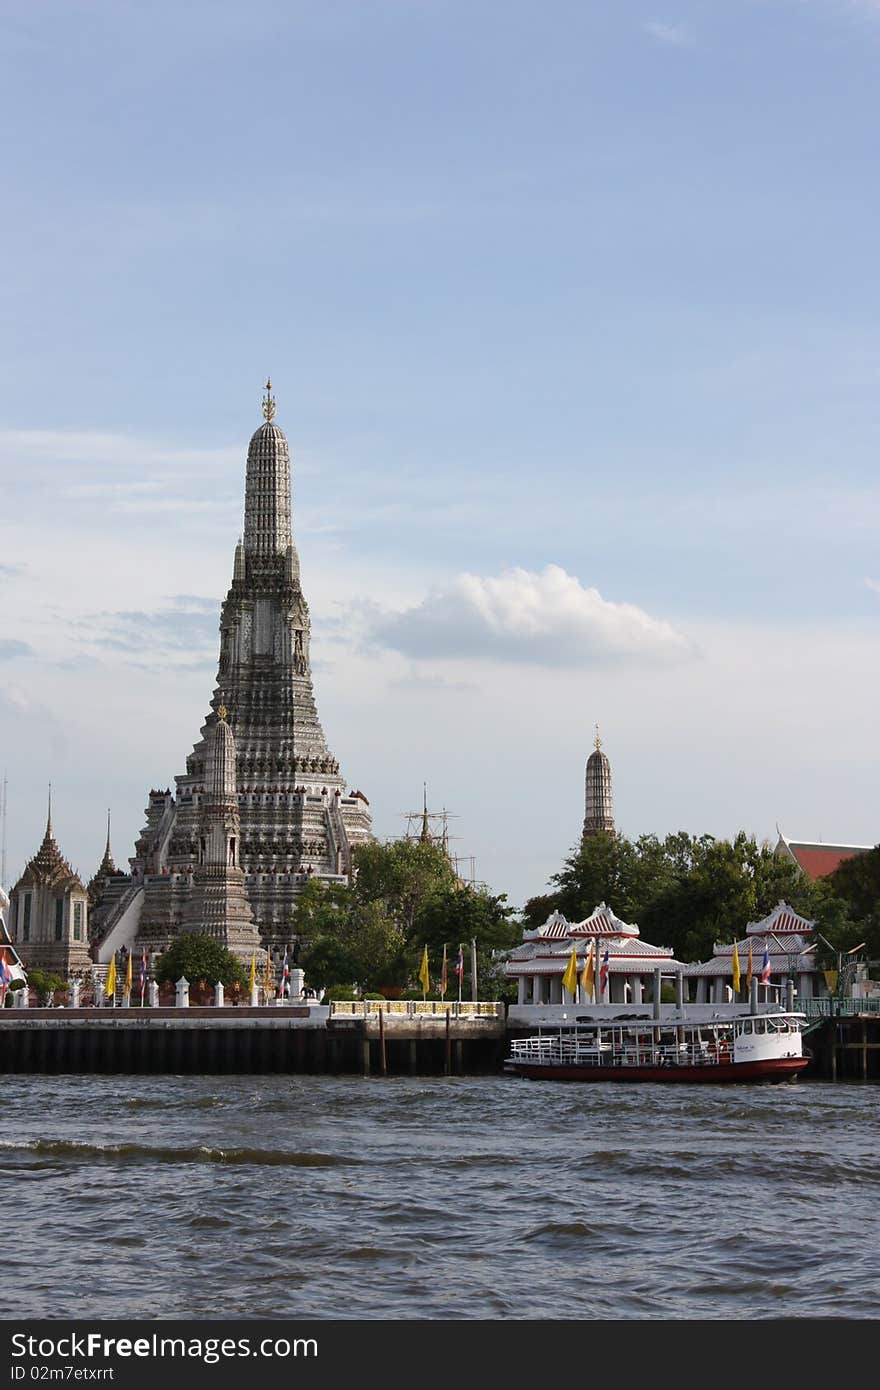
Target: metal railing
364,1008
837,1008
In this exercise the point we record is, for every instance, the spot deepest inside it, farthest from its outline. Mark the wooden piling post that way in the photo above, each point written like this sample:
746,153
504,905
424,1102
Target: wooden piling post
833,1046
447,1051
383,1060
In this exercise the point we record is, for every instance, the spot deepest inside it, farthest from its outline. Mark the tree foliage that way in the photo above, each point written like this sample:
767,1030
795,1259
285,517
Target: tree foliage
371,934
45,983
197,956
687,892
852,903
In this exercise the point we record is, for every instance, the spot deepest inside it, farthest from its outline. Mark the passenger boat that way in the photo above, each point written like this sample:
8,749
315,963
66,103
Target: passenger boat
754,1047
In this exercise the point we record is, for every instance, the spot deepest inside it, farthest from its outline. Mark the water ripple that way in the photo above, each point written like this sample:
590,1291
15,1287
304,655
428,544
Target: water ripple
451,1197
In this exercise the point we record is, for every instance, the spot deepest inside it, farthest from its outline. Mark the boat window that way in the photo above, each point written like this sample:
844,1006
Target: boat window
747,1026
760,1025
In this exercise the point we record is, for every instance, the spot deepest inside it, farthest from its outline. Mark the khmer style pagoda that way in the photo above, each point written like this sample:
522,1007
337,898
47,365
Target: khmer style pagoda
262,806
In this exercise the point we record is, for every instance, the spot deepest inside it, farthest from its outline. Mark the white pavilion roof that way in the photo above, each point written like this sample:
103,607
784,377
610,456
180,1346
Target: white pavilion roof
782,919
546,950
797,953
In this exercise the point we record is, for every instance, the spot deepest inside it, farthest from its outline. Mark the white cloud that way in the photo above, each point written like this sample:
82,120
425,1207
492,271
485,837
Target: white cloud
110,450
669,35
547,619
873,585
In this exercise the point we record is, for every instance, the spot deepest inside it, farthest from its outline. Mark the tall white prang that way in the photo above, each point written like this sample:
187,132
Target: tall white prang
233,858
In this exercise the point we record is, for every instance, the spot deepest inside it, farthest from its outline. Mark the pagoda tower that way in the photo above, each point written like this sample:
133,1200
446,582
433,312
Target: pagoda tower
49,912
219,906
598,805
295,817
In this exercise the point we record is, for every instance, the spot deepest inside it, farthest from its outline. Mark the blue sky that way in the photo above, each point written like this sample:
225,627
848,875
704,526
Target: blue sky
578,289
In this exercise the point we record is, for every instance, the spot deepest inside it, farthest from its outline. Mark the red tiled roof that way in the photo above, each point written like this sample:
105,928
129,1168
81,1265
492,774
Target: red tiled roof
817,861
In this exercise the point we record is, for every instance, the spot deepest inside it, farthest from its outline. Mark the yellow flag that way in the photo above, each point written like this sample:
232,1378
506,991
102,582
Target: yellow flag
110,986
589,972
735,969
253,972
128,975
570,978
424,977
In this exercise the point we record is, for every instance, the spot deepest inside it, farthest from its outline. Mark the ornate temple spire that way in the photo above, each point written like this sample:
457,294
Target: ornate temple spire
267,488
48,865
221,765
598,804
107,865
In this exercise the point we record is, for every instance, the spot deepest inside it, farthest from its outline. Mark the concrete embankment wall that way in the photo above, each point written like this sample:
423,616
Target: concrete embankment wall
203,1041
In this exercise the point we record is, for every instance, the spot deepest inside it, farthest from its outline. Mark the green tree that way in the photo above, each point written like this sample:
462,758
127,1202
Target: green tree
45,983
459,915
405,875
197,956
361,946
372,934
687,892
849,903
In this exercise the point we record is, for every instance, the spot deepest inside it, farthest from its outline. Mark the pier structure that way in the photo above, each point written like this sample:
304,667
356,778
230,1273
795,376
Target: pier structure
430,1039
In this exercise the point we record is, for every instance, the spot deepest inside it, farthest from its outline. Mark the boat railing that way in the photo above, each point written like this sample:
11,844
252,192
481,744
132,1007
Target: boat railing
556,1050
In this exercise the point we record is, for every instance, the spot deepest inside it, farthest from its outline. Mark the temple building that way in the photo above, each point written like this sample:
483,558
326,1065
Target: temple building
598,805
49,910
296,818
540,963
814,858
791,944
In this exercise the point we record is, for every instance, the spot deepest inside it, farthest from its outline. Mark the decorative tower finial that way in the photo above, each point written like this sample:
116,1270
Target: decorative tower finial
268,402
426,834
222,712
598,740
107,850
49,816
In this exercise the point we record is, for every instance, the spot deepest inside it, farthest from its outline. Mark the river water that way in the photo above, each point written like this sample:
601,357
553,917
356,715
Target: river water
224,1197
